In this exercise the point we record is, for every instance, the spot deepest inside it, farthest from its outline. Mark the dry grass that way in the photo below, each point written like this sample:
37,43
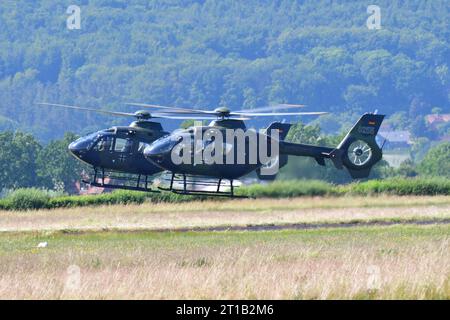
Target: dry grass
413,262
402,261
233,212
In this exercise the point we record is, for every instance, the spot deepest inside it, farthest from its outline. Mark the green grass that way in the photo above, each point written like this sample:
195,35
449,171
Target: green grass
309,264
61,240
28,199
399,186
287,189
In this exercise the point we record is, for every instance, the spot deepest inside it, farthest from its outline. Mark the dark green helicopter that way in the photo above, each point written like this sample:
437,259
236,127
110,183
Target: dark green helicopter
357,152
116,154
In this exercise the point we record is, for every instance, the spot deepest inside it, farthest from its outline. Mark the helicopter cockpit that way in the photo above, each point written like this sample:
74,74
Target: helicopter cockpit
114,149
106,140
110,143
84,143
87,142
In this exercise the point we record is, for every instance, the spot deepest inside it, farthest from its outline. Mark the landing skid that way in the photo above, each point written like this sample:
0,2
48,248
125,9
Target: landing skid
110,179
195,185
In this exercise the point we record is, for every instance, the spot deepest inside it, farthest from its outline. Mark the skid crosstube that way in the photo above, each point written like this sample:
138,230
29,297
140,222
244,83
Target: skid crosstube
118,180
195,185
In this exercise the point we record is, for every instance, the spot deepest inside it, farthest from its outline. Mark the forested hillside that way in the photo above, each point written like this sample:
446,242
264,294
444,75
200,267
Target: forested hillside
210,53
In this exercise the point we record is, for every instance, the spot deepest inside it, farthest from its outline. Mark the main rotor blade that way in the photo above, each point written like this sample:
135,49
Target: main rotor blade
280,106
180,117
240,118
164,115
172,109
270,114
115,113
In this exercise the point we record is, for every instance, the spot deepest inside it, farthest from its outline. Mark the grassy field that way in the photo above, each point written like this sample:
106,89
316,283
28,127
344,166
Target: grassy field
32,198
151,216
115,252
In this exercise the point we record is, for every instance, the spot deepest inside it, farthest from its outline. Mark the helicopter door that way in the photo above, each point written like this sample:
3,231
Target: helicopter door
104,149
123,152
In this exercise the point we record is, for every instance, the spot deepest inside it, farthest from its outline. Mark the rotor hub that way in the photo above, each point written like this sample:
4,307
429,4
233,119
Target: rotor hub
143,115
223,112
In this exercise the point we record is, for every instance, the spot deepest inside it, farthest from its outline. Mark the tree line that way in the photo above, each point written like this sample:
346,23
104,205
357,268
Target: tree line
24,162
213,53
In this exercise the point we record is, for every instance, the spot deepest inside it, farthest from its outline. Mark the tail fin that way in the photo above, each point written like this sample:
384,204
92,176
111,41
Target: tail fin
358,151
283,130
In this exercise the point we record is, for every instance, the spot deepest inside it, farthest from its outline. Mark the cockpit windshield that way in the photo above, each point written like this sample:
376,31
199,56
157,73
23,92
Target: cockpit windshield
165,144
86,142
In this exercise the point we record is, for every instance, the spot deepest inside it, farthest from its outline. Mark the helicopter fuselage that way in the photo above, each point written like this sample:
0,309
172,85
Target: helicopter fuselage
119,148
235,159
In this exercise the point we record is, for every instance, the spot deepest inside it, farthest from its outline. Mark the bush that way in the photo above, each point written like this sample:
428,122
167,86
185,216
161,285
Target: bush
119,197
287,189
392,186
26,199
400,186
175,197
116,197
4,204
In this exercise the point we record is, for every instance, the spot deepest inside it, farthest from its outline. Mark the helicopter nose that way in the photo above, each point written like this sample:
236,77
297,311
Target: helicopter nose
72,147
153,153
75,148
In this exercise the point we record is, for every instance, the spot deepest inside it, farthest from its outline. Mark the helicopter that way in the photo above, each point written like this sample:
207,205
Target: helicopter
357,152
116,154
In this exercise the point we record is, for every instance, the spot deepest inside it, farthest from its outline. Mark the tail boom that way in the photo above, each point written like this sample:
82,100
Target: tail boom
357,152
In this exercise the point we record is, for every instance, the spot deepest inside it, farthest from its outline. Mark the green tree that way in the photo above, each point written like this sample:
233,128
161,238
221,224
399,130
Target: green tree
398,120
18,153
56,168
202,53
419,128
407,169
419,148
307,134
308,168
191,122
437,161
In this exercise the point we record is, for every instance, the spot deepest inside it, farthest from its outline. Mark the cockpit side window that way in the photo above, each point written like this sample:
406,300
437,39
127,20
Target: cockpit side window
123,145
105,143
